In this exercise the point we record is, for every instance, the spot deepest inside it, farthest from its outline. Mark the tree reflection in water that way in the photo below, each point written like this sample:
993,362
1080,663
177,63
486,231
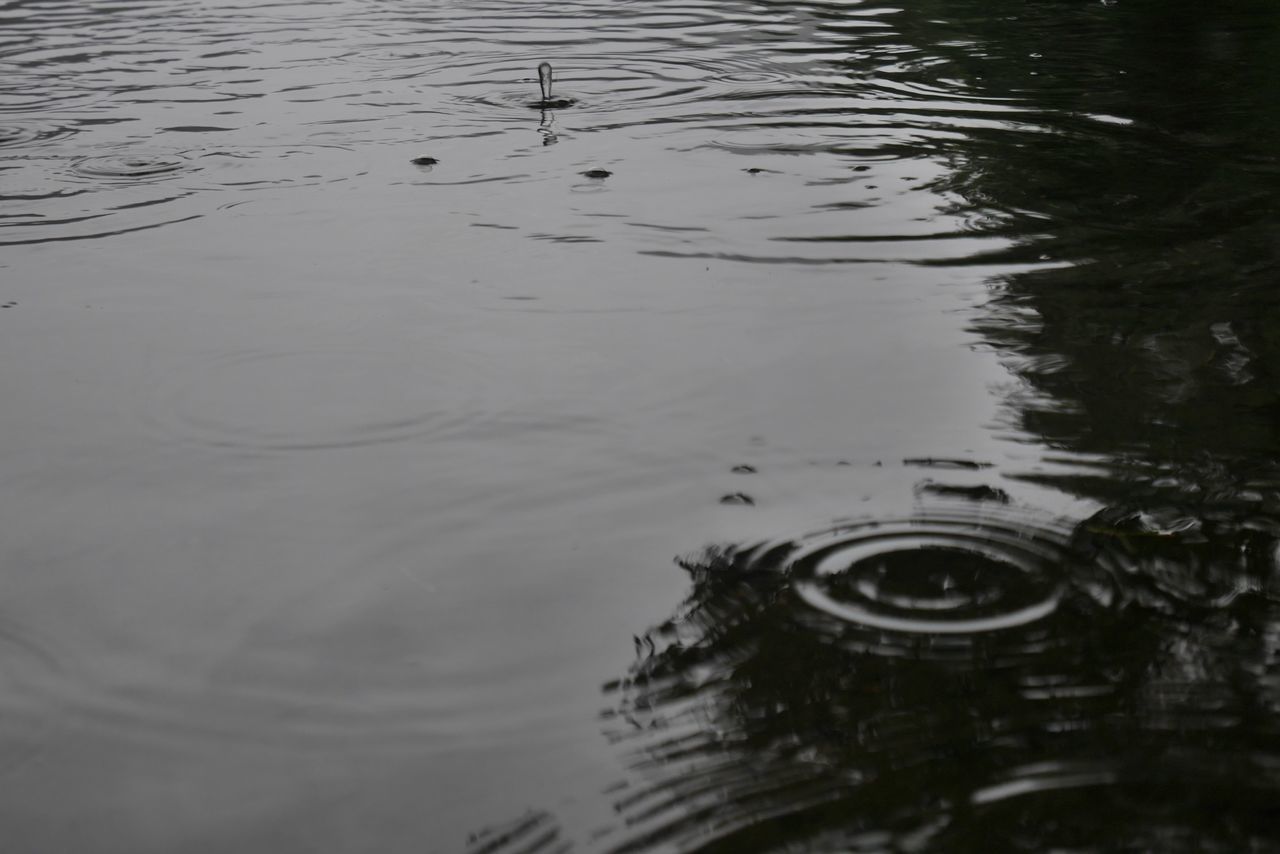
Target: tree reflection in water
1140,324
1142,714
1149,188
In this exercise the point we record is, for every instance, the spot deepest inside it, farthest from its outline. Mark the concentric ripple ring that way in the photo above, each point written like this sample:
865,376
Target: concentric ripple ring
931,574
129,166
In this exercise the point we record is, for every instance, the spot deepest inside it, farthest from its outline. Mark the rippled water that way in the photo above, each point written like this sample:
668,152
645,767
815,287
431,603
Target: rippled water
966,679
356,401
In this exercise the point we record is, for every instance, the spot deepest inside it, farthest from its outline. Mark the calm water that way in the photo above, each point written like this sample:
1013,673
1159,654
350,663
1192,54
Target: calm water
935,341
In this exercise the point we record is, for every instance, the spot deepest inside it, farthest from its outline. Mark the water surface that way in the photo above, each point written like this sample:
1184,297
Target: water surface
341,494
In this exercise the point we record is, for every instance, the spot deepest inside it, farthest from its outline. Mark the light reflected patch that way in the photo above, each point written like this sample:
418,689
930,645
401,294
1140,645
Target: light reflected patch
1045,777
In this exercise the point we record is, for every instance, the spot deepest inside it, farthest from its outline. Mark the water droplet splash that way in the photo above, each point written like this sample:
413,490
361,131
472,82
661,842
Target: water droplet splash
544,80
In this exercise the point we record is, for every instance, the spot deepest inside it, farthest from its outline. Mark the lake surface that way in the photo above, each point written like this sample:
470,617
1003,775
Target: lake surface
882,456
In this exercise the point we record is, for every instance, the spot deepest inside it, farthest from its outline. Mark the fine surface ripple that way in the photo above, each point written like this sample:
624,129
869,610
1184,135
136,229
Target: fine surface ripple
809,101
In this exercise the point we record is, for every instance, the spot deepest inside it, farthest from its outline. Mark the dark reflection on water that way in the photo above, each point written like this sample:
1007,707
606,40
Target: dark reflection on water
1137,713
1150,343
984,680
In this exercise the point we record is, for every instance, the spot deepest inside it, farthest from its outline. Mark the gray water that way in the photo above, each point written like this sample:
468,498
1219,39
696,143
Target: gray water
881,457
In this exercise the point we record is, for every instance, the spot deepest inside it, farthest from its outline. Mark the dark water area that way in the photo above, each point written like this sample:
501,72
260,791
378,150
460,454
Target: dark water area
832,426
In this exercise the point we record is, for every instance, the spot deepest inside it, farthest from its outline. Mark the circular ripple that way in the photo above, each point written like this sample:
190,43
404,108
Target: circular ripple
28,719
751,77
19,132
273,167
930,575
941,584
304,400
132,166
503,89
